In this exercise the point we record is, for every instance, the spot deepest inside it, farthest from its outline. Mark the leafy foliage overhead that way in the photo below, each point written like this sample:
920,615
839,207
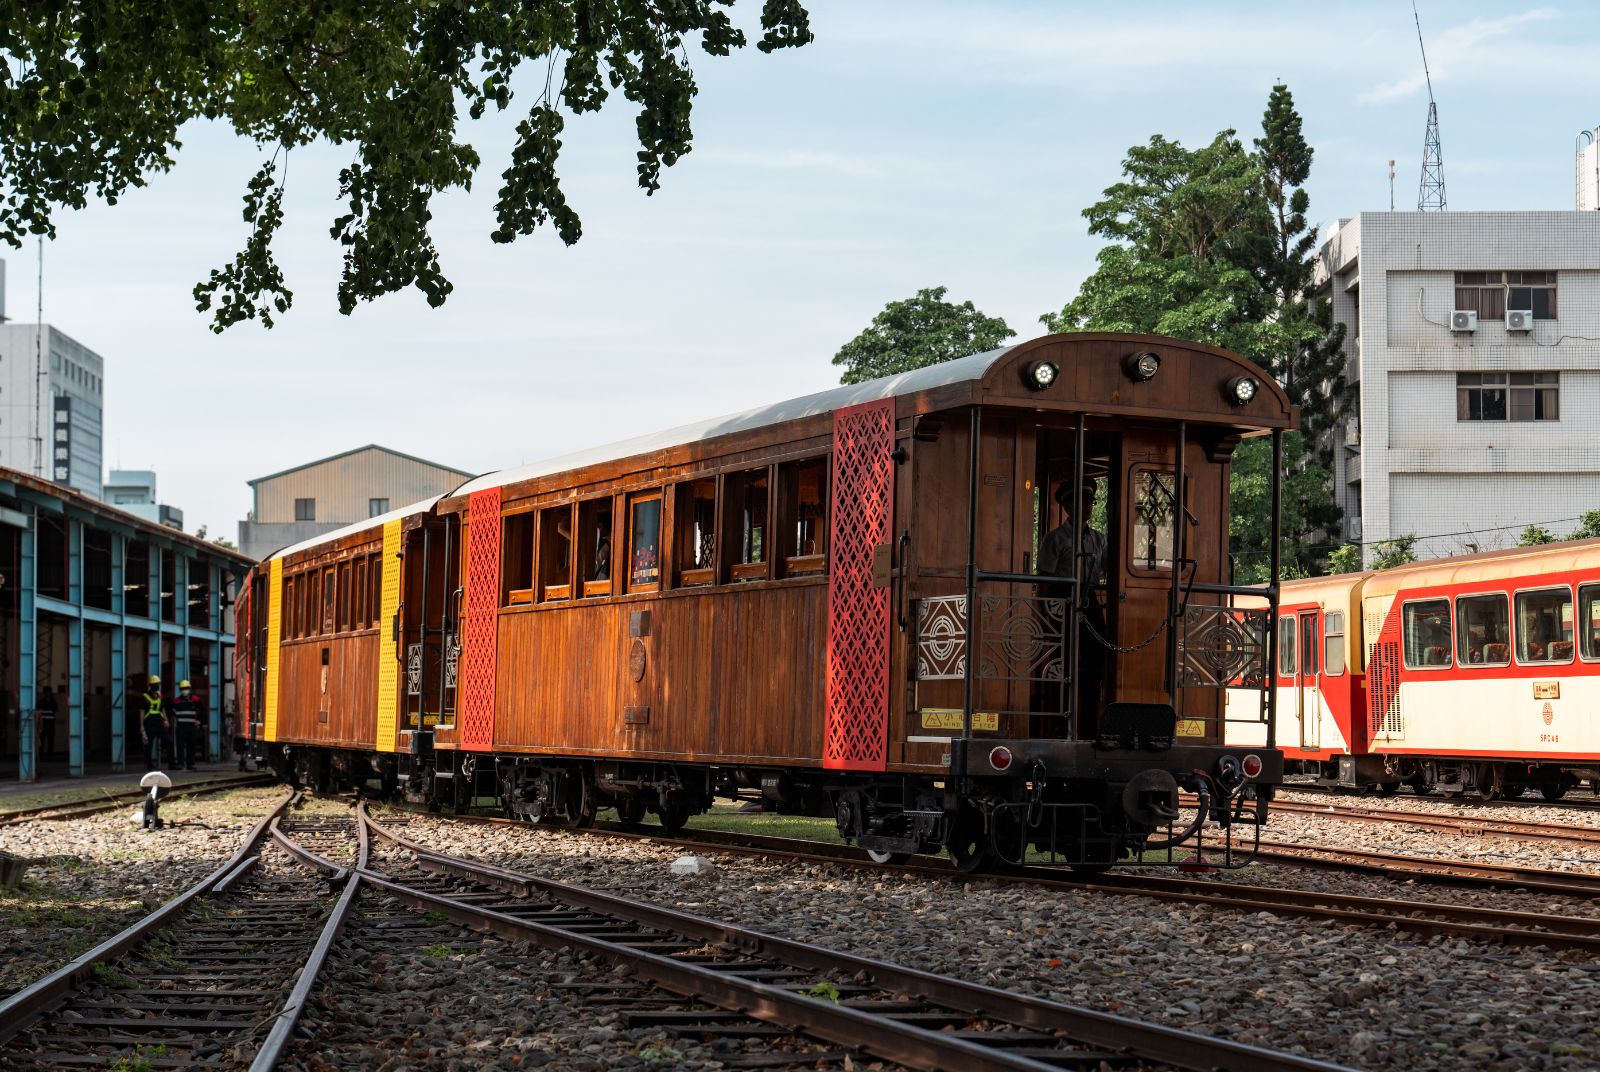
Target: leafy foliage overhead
93,93
916,332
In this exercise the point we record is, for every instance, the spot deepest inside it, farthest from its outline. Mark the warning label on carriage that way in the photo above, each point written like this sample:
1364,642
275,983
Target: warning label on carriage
949,718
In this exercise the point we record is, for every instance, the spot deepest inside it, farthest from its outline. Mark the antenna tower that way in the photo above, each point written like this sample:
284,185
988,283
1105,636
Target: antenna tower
1430,192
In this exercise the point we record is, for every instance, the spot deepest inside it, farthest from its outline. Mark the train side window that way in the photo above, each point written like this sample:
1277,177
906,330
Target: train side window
746,502
555,553
330,588
1483,630
375,588
1589,620
1544,626
644,543
594,546
803,517
290,592
361,617
1286,661
1425,627
516,566
344,597
696,525
1150,523
1333,643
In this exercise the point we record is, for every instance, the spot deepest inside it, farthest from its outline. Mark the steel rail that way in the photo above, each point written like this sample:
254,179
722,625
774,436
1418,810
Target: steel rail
39,997
1575,803
885,1037
1432,869
1521,829
78,809
288,1018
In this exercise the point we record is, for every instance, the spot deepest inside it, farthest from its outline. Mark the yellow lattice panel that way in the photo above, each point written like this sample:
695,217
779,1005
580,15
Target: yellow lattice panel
269,728
388,656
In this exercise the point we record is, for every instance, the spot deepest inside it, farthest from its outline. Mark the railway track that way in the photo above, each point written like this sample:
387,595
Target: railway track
913,1018
81,809
1456,872
215,977
1518,829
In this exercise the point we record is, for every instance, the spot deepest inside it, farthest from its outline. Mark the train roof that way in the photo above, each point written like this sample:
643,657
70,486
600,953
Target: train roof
1272,407
1320,589
376,522
1488,566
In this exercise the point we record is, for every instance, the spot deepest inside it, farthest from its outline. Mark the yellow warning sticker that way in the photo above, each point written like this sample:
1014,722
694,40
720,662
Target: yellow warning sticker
1191,727
949,718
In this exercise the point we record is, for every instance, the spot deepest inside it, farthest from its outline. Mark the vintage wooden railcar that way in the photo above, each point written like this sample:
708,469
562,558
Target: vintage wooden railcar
855,602
1474,674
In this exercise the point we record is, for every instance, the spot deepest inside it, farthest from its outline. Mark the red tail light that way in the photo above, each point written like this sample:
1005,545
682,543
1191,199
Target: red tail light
1251,765
1000,757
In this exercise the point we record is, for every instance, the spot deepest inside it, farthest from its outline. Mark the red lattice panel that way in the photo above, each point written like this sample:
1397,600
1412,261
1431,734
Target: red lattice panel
857,731
480,619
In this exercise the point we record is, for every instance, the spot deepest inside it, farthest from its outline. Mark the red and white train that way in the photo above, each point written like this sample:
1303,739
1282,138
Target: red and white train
1476,675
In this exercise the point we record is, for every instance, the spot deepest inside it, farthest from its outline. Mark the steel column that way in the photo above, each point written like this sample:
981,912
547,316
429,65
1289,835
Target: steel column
119,714
1274,538
28,651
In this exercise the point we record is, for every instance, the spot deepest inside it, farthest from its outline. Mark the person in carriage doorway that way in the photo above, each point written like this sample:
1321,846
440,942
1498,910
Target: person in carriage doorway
187,710
155,729
49,707
1058,557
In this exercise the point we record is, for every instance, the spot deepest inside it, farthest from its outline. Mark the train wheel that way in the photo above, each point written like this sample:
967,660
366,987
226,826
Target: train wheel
1420,787
887,857
673,816
1386,789
1553,791
968,842
631,812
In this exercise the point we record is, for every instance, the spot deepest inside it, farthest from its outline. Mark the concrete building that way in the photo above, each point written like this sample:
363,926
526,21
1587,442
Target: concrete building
317,497
1473,345
134,490
52,401
93,600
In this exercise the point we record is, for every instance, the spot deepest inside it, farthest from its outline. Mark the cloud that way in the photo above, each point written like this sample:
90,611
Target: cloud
1455,45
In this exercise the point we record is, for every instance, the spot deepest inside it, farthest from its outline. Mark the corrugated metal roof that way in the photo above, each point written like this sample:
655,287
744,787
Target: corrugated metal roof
357,450
359,526
961,370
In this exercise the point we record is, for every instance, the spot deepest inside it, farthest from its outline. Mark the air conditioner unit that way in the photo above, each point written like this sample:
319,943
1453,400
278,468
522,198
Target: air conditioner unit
1352,433
1464,320
1352,527
1519,319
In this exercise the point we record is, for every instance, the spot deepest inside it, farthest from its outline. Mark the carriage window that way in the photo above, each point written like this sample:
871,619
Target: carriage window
1308,646
747,523
1333,643
803,518
516,565
361,617
1589,620
594,546
696,525
1153,502
344,596
329,589
375,588
1483,630
555,553
1286,646
291,593
1544,626
1426,628
644,543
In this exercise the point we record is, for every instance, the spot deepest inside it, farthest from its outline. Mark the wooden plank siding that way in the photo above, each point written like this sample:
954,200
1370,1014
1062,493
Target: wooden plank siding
347,695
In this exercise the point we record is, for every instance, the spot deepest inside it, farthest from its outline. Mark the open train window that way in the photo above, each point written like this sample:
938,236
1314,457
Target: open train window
1589,621
1425,629
1483,630
362,617
746,503
516,566
343,623
644,543
1544,626
555,553
1333,643
1286,661
696,526
594,546
330,588
375,588
803,516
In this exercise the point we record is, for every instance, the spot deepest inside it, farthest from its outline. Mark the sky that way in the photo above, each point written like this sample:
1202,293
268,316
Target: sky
912,145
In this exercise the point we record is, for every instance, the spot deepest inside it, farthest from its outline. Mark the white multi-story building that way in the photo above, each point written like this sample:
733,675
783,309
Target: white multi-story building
134,490
52,403
1473,346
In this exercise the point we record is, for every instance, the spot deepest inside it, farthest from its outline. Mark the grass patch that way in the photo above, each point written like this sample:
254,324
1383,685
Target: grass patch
824,990
728,818
433,915
108,975
440,950
138,1061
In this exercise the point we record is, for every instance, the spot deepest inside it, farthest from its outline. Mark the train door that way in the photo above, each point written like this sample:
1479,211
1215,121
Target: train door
1307,700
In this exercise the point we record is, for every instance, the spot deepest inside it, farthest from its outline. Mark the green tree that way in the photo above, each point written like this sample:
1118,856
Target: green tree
93,93
1534,535
1345,559
1387,554
1588,528
1304,488
916,332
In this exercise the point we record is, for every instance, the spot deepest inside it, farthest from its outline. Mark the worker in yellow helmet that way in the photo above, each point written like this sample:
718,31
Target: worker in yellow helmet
187,709
157,730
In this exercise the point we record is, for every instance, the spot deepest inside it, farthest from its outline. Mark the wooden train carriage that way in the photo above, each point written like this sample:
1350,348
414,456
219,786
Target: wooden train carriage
336,657
787,591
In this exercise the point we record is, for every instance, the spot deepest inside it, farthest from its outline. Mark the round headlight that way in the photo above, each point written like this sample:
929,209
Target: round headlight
1242,390
1142,366
1041,374
1000,757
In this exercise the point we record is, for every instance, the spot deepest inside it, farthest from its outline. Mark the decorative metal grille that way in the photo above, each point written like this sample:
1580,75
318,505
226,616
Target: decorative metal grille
1022,638
452,659
942,638
413,669
1223,647
481,619
857,724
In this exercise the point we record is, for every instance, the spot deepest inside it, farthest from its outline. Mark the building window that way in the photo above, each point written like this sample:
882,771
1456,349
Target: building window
1544,626
1508,396
377,506
1425,626
305,509
1490,294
